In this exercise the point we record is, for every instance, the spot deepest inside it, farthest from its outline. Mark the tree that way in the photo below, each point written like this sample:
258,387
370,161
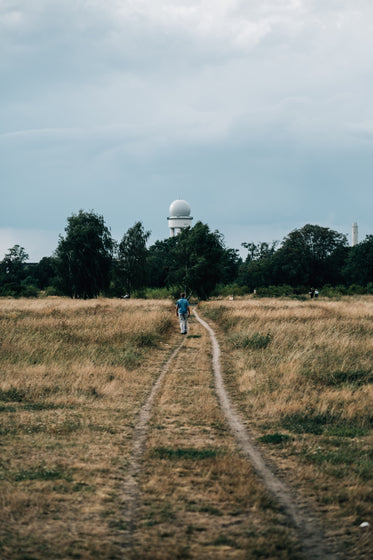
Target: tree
259,251
257,270
197,260
132,253
306,256
84,256
160,260
13,270
12,267
359,263
45,272
194,261
229,266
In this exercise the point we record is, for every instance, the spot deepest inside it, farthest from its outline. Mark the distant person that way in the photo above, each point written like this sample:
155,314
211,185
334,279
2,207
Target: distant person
312,293
183,312
316,293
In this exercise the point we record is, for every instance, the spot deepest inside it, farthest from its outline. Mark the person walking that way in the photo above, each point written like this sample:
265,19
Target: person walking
183,312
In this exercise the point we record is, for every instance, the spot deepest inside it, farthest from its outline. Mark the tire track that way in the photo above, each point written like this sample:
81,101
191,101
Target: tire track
309,531
130,488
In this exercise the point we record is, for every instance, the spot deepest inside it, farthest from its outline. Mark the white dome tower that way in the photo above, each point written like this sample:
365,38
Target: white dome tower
179,217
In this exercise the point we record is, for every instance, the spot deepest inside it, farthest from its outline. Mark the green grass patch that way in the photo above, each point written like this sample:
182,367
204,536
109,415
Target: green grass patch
344,459
144,339
356,378
131,358
41,406
186,453
223,540
43,473
12,395
310,422
5,408
276,438
210,509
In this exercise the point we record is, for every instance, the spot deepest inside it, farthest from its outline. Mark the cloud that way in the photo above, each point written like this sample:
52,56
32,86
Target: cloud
106,104
187,69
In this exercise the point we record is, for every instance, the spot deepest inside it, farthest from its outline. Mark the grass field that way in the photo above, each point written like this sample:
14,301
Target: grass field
74,374
301,374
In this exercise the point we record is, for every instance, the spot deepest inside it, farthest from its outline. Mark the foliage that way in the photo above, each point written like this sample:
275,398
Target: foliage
16,276
199,257
12,266
230,290
259,251
359,263
312,255
258,267
305,255
45,272
131,268
160,262
157,293
194,261
13,271
84,256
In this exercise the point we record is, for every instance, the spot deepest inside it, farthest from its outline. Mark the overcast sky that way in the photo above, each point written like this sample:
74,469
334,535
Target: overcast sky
259,113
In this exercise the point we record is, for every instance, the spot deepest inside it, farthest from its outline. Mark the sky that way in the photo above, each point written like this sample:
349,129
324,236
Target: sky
259,113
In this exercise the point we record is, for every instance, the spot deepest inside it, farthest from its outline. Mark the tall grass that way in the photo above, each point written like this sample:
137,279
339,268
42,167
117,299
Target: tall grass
310,389
73,375
200,496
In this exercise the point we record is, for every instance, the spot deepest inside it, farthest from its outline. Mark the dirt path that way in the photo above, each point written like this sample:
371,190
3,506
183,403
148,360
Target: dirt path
308,528
130,489
176,431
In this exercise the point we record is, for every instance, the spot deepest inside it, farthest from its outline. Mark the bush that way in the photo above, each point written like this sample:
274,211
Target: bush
158,293
333,291
275,291
230,290
51,291
29,291
355,289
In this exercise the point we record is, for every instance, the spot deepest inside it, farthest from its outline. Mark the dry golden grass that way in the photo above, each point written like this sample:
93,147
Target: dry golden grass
200,497
301,373
73,375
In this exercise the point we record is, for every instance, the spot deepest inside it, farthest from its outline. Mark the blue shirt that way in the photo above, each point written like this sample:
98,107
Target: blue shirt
183,305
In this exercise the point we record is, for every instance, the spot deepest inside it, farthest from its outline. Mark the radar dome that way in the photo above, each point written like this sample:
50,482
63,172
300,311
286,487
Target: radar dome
179,208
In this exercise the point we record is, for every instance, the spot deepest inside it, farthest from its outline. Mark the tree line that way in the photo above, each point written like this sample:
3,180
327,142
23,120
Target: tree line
88,262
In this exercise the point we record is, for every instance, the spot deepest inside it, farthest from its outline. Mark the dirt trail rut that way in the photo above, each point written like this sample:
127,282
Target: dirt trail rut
130,488
308,528
300,516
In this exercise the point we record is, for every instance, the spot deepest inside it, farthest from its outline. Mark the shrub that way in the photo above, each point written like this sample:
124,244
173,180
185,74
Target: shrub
230,290
29,291
275,291
158,293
